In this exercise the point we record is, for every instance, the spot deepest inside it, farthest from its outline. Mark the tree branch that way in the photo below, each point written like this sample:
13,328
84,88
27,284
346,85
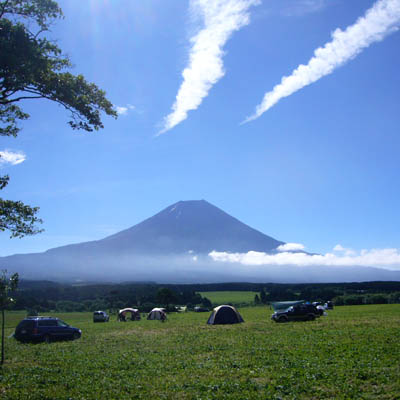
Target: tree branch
3,9
20,98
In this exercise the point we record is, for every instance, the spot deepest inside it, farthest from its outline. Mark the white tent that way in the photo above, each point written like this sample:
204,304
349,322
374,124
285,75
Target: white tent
157,313
135,314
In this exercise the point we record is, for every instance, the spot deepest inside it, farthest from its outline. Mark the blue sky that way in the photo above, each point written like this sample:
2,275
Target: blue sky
319,168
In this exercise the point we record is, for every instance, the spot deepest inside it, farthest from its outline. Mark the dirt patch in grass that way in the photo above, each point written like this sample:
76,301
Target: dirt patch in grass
129,333
261,380
140,332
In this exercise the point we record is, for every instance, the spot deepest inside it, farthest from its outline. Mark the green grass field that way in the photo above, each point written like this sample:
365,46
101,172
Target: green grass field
353,353
229,297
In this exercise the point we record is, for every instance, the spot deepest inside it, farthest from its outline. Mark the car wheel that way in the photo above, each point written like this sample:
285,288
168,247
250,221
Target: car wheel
76,336
282,319
46,338
311,317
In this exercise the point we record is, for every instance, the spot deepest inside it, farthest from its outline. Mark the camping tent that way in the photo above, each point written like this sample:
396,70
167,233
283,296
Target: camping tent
157,313
284,305
135,314
224,315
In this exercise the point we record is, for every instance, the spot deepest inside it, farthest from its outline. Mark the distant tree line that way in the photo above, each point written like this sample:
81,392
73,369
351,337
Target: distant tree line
377,298
42,296
340,294
48,296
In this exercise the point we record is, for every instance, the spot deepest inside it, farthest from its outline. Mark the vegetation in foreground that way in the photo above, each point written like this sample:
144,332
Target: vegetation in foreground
351,353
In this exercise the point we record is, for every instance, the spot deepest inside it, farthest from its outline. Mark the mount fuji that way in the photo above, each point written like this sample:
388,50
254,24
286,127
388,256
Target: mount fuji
174,246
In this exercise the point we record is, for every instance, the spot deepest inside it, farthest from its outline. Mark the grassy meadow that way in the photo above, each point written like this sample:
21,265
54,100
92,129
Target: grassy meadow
353,353
233,297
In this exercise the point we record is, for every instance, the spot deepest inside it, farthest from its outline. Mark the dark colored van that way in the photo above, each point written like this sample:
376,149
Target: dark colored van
45,329
298,312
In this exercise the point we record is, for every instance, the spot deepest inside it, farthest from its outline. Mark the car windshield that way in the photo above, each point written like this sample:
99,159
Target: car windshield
62,323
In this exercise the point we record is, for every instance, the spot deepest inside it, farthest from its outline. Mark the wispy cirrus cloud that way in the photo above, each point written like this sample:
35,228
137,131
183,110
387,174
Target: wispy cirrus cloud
221,18
340,257
298,8
382,19
11,157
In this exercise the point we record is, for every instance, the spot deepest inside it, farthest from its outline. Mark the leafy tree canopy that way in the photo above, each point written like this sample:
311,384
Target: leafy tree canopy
7,285
33,67
17,217
166,296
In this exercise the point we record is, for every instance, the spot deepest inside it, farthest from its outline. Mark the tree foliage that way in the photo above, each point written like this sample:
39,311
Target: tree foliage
263,296
34,67
7,285
205,302
166,296
17,217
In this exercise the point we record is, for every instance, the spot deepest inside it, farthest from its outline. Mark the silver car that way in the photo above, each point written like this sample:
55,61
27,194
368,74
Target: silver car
100,316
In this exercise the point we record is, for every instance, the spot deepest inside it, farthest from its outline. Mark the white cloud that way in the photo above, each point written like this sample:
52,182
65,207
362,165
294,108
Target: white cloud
290,247
379,21
347,252
339,247
11,157
378,258
123,110
221,19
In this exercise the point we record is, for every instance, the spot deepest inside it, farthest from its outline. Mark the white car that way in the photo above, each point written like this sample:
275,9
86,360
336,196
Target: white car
100,316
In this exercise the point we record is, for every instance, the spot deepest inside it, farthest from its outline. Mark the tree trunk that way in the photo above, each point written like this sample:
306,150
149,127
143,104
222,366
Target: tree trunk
2,336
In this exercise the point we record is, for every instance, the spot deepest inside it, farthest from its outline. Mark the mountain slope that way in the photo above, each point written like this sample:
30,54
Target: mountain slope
183,228
191,225
173,246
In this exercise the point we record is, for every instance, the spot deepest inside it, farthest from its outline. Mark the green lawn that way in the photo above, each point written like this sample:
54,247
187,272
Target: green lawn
353,353
229,297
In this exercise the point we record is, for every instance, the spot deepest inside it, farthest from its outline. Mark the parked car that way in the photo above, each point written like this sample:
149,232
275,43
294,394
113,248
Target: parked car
201,309
320,307
45,329
321,310
298,312
100,316
329,305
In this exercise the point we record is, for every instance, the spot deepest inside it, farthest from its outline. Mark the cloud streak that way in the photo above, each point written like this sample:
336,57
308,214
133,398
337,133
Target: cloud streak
377,258
205,68
297,8
380,20
11,157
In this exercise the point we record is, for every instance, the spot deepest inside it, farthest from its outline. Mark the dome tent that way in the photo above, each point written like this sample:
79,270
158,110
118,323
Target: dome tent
224,315
157,313
135,314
